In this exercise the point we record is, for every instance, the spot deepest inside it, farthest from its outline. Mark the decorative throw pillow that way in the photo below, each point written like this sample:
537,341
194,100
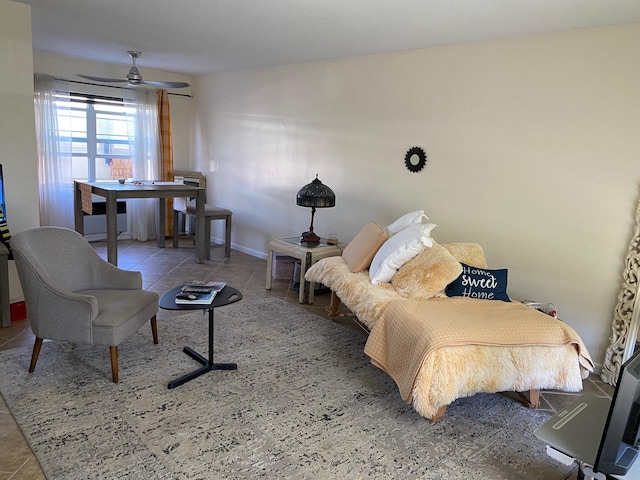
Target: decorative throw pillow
361,250
398,250
406,220
480,283
469,253
427,274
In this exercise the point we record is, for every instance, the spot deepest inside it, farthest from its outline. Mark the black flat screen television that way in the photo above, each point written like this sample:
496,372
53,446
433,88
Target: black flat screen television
2,204
621,437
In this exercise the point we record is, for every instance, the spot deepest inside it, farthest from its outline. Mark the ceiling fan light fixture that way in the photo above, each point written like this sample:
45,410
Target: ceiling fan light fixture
134,77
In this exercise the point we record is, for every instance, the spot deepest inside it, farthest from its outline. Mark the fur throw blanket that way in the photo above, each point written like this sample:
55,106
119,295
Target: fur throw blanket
435,376
512,348
365,300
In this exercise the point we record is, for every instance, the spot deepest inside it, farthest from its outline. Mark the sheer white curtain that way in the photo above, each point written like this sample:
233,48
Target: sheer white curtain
143,133
54,164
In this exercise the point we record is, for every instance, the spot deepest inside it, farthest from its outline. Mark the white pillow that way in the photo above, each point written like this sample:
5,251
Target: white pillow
398,250
405,220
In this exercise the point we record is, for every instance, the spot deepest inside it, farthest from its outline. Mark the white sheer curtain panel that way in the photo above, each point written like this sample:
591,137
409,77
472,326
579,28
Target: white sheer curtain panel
54,164
143,133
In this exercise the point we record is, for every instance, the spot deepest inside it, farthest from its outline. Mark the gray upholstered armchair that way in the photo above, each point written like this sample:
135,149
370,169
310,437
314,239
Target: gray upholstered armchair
73,295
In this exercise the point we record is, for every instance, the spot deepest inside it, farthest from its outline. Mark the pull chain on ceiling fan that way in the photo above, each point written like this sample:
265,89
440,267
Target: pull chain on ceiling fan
134,78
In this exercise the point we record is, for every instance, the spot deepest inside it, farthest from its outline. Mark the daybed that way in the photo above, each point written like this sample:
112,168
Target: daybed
439,348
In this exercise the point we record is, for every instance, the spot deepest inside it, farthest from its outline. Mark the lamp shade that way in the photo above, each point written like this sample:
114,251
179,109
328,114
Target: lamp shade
316,194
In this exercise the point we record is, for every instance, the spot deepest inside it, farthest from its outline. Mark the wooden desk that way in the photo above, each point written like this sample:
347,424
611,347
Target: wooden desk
112,191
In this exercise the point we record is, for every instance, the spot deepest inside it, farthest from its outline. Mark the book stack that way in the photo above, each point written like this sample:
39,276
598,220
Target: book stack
198,292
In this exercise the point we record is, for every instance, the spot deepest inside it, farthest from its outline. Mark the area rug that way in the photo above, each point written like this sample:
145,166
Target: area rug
305,402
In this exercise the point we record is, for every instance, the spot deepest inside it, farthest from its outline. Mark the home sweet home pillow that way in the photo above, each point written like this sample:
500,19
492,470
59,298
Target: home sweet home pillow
480,283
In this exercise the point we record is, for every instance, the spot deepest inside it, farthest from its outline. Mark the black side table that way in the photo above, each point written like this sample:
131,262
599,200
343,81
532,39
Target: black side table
226,296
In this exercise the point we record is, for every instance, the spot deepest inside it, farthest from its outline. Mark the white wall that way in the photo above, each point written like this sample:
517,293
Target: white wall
17,128
533,145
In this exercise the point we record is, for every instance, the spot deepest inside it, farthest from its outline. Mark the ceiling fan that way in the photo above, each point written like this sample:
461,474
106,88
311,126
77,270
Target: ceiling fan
134,78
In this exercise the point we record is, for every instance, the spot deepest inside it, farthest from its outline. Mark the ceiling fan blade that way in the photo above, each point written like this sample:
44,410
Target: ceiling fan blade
101,79
134,78
166,84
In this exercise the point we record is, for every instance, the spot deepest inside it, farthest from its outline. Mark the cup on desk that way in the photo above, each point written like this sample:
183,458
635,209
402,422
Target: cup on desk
121,181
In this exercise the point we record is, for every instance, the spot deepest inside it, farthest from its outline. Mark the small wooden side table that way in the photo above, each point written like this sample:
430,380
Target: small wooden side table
307,253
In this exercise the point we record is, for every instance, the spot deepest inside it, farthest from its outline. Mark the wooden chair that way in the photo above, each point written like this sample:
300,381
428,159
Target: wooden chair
184,207
211,213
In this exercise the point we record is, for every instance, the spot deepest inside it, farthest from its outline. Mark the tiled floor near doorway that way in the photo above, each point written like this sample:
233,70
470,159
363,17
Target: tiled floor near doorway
161,270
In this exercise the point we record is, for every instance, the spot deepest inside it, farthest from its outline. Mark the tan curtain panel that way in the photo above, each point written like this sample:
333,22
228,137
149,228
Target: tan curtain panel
166,149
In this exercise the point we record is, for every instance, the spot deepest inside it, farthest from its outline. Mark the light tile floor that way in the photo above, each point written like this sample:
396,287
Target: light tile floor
162,269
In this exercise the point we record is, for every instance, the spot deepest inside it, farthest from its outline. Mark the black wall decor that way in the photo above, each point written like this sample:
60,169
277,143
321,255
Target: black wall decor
415,159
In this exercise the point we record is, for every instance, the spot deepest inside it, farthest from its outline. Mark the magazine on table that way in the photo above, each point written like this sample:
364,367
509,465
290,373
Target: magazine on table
200,294
199,286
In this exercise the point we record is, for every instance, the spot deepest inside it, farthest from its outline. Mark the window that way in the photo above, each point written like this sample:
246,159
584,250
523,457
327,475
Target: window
93,132
90,137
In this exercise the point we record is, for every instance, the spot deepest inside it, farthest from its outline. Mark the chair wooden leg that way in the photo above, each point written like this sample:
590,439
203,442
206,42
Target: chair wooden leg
227,236
207,238
175,229
154,329
113,352
183,222
34,355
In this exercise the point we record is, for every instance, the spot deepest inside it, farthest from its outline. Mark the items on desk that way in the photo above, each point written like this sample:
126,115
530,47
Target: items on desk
198,286
198,293
195,298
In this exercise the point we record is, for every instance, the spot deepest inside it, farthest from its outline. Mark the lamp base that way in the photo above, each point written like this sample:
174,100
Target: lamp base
309,237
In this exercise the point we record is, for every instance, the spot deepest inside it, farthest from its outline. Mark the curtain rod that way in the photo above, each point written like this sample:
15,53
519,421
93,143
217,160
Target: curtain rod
113,86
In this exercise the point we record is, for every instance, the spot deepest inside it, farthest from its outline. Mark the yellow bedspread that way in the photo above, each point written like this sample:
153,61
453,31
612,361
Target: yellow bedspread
409,331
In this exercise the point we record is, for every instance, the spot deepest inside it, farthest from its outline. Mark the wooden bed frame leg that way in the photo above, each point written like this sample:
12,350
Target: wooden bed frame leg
439,414
534,398
335,304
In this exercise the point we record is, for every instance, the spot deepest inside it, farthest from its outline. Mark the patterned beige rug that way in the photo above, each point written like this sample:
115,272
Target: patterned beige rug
304,403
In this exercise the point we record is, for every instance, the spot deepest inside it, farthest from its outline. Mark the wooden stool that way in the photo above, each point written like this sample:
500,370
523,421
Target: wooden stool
211,213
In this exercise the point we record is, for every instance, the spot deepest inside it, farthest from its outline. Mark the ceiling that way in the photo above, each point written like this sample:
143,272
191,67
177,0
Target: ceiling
206,36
